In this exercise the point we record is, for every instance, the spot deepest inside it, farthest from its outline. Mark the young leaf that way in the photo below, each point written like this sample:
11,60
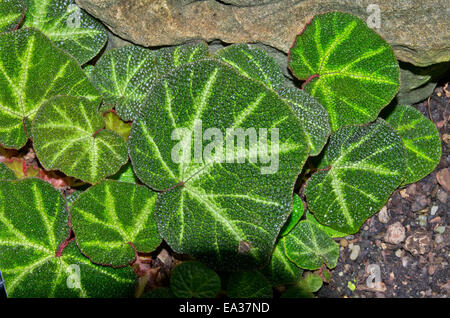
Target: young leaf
421,139
33,226
31,73
223,211
367,163
112,218
125,75
193,279
69,27
281,270
332,233
305,287
296,214
347,66
248,284
308,247
13,12
254,63
313,116
258,65
114,123
69,135
6,173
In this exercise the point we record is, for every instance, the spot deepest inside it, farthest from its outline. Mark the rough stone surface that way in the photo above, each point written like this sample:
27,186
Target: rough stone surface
419,242
416,29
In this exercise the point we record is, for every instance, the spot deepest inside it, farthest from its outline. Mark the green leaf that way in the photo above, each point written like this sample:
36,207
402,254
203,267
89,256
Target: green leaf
31,74
349,68
254,63
332,233
111,218
308,247
311,282
13,12
421,139
33,225
249,284
281,270
69,135
6,173
125,174
193,279
69,27
226,213
125,75
367,163
296,215
313,116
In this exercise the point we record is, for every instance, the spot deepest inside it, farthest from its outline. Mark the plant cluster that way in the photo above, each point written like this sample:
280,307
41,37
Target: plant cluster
110,125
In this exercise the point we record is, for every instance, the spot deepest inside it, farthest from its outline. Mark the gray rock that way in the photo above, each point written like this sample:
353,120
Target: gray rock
395,233
416,29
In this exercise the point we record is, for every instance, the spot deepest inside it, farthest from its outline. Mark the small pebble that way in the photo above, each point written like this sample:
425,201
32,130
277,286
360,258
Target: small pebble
398,253
383,215
343,242
439,239
442,196
422,220
434,209
395,233
341,274
355,252
440,229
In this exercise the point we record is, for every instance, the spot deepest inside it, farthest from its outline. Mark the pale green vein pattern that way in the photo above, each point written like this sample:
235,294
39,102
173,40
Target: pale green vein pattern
32,70
256,64
421,139
309,247
33,224
281,270
12,12
226,213
69,135
350,69
125,75
111,218
68,26
366,164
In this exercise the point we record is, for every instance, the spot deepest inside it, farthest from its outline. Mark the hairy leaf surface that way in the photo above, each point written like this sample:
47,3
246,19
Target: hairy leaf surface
367,163
33,224
254,63
12,13
248,284
110,218
229,213
125,75
193,279
331,232
69,27
312,114
69,135
349,68
6,173
281,270
30,74
309,247
297,212
421,139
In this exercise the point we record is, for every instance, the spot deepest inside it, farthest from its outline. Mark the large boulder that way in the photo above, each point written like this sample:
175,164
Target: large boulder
416,29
